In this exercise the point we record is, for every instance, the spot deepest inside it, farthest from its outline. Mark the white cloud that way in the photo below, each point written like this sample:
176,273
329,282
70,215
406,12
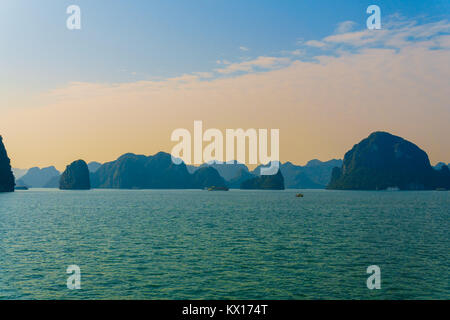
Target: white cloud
242,48
223,62
398,34
253,65
204,74
297,52
396,81
345,26
315,43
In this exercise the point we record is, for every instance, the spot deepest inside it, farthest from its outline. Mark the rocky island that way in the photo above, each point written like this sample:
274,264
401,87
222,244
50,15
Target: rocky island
383,161
208,177
265,182
6,176
75,177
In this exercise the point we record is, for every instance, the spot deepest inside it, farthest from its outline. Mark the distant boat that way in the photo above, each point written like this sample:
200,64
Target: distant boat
441,189
21,188
214,188
299,195
393,189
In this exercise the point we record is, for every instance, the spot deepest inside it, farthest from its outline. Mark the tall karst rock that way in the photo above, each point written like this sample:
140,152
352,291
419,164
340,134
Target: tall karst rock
6,176
383,160
75,177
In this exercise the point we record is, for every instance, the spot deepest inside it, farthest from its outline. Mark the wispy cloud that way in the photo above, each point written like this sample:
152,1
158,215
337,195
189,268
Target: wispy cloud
396,33
393,35
345,26
315,43
297,52
223,62
394,79
254,65
205,75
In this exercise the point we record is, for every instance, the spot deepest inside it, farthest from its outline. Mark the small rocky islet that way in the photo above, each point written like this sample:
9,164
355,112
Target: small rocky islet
75,177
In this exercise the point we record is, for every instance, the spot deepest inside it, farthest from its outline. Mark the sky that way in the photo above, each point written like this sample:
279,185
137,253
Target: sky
138,70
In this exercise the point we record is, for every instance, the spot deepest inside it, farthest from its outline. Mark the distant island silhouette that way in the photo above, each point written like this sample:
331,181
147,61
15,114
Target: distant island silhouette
40,178
131,171
378,162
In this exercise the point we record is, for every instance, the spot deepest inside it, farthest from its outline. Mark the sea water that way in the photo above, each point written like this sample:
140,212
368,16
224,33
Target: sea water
193,244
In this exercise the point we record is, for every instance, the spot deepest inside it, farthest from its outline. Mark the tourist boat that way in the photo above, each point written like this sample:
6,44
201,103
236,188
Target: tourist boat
214,188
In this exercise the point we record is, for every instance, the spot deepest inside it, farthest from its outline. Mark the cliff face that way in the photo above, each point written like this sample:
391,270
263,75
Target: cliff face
208,177
6,176
265,182
75,177
383,160
442,179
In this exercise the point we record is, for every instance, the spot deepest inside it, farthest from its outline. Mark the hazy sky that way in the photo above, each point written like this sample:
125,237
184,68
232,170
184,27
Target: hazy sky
137,70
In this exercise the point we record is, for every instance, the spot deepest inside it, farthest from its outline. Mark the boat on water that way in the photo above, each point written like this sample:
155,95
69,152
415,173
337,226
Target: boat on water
393,189
214,188
20,188
299,195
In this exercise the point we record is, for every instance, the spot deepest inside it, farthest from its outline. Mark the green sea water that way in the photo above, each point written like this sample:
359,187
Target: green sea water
192,244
